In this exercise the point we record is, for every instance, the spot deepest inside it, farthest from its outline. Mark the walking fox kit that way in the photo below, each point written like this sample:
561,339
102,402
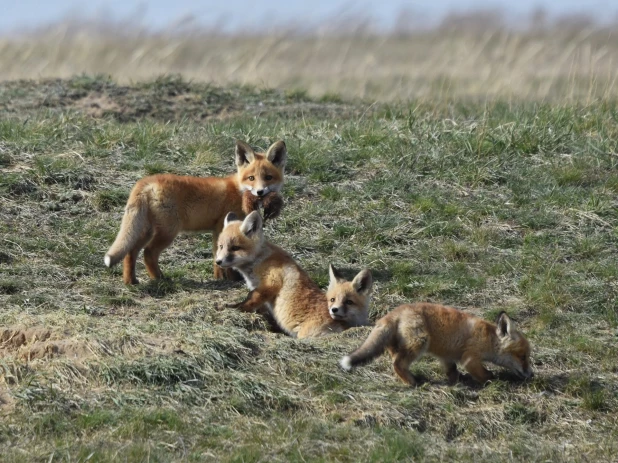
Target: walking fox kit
277,283
453,336
161,206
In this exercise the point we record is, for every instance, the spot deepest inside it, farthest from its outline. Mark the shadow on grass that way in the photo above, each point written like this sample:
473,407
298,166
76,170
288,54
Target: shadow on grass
466,380
166,286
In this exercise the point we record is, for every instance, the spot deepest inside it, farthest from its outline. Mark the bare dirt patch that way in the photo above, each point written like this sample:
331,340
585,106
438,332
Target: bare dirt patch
97,105
40,342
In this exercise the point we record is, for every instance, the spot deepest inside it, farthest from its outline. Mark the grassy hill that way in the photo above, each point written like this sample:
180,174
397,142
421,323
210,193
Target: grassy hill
485,206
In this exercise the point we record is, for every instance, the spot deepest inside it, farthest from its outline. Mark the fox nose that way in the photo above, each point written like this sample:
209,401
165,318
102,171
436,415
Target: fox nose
219,261
334,309
260,192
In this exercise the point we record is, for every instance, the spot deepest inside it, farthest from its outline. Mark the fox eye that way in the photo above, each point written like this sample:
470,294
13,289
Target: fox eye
349,302
220,246
251,178
235,248
332,299
268,177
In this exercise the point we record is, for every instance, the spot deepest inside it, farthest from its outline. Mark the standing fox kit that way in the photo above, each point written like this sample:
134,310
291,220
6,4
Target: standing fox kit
161,206
411,330
277,283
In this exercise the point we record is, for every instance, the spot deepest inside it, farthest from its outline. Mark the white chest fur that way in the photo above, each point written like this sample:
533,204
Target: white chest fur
251,279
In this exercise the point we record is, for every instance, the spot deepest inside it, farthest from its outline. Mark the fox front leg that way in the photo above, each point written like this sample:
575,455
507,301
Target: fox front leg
254,300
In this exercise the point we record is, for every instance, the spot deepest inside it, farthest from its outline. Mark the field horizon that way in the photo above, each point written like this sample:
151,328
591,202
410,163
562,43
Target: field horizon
477,56
483,204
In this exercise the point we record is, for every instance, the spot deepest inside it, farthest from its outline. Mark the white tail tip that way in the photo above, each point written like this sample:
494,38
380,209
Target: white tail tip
346,363
108,260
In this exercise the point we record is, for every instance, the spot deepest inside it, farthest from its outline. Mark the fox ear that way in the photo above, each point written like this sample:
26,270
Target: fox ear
277,153
252,224
230,217
335,276
506,326
363,282
244,153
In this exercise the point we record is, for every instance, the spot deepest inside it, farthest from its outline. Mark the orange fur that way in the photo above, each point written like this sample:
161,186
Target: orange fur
161,206
411,330
279,284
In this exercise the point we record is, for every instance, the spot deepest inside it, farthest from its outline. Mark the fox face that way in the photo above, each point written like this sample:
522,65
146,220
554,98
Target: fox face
349,300
514,349
261,173
239,241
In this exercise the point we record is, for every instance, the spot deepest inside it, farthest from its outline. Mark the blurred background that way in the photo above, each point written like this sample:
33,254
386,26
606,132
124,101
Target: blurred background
376,50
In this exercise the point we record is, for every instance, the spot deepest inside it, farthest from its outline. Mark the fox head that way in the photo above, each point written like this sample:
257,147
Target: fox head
513,347
261,173
240,241
349,300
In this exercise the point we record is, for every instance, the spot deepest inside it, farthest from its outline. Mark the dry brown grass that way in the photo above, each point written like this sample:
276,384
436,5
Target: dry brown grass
567,61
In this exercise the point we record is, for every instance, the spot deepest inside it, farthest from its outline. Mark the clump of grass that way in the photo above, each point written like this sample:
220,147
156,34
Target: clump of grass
157,168
107,200
9,287
518,413
397,447
5,159
57,170
592,394
18,185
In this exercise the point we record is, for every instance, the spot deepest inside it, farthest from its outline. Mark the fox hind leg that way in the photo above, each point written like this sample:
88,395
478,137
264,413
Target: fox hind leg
153,250
404,353
128,264
401,365
450,369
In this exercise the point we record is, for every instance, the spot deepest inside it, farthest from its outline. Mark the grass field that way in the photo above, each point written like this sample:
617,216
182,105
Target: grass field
485,206
479,55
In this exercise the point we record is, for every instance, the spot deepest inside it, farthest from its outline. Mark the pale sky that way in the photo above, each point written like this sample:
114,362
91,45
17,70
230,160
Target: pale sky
17,14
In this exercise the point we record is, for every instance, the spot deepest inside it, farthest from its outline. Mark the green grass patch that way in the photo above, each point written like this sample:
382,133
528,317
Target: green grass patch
484,206
108,200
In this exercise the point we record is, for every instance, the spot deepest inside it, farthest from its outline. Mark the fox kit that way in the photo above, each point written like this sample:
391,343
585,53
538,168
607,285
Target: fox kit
411,330
161,206
277,283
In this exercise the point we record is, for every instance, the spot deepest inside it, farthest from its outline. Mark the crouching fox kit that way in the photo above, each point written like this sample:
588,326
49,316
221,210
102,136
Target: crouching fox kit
161,206
277,283
411,330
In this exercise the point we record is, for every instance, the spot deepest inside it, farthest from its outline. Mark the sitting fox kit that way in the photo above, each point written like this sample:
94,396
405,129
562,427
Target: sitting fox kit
411,330
161,206
277,283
